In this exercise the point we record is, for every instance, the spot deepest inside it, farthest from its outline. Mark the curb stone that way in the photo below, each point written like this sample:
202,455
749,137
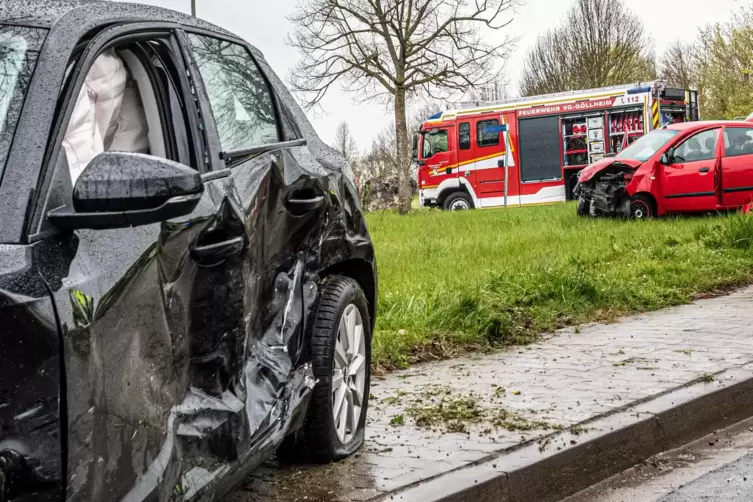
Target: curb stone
566,463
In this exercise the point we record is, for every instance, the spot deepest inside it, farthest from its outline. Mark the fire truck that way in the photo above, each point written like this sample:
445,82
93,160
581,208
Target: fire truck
530,150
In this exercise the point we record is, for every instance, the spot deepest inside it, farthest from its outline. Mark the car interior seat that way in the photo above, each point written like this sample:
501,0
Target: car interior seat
693,150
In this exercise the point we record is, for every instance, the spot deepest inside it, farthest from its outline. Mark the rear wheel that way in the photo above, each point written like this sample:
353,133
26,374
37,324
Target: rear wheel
341,358
458,201
641,207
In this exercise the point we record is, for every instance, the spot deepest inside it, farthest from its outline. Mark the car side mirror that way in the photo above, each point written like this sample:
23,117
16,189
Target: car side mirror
120,189
668,157
414,149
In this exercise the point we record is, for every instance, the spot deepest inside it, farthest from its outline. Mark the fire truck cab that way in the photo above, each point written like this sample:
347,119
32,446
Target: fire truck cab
530,150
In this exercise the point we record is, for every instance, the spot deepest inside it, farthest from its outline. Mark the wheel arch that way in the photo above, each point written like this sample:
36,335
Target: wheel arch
364,274
651,199
452,185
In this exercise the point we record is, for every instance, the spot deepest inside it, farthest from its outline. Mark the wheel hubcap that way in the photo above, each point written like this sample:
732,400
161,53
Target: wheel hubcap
459,205
349,374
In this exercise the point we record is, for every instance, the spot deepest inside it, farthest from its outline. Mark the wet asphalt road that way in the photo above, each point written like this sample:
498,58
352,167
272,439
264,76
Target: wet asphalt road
716,468
729,483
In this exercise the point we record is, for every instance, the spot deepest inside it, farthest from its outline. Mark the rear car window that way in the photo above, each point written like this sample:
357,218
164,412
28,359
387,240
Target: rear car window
19,48
738,141
242,102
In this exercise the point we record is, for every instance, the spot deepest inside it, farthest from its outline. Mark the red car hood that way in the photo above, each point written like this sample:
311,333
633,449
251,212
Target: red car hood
589,171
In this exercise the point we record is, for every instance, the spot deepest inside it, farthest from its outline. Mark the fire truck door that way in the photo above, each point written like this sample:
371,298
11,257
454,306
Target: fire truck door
438,153
489,157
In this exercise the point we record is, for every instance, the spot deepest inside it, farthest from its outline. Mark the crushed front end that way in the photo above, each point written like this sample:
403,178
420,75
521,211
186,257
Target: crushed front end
603,192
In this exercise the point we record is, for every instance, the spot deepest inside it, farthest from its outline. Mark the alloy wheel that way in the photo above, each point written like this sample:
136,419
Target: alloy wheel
349,374
639,209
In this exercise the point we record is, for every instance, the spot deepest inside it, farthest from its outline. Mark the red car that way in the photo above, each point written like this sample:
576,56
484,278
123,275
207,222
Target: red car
681,168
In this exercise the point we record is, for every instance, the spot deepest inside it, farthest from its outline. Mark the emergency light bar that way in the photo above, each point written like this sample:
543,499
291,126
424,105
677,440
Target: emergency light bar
639,90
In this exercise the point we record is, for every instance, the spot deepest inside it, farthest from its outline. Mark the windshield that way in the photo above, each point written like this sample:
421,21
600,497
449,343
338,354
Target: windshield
645,146
434,142
19,47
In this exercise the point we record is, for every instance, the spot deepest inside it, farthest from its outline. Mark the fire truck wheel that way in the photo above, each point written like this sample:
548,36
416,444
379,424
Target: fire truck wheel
458,201
641,207
584,207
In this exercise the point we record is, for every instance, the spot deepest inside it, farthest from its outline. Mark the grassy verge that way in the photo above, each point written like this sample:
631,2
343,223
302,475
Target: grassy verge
452,282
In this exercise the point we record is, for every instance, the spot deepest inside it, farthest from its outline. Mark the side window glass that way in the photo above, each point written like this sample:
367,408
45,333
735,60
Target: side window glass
464,134
434,142
738,141
241,101
701,146
487,133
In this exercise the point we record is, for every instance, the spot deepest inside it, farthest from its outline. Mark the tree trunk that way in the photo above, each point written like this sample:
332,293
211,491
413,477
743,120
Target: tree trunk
403,156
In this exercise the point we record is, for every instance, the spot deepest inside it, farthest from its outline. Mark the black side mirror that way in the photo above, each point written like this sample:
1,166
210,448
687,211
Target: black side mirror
414,149
119,189
668,157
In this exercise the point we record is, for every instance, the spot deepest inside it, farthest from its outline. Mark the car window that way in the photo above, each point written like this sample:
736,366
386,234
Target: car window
19,48
464,134
645,146
129,102
487,134
701,146
240,98
738,141
434,142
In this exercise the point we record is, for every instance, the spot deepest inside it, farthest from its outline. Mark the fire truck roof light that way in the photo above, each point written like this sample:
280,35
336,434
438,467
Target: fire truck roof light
437,115
639,90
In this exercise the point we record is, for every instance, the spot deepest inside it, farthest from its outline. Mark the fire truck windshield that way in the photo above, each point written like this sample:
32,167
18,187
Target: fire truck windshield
645,146
434,142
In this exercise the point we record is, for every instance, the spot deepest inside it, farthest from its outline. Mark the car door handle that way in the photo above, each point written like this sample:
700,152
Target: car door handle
218,250
704,170
305,200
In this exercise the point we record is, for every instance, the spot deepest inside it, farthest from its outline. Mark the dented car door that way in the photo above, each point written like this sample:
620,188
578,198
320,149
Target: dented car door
281,207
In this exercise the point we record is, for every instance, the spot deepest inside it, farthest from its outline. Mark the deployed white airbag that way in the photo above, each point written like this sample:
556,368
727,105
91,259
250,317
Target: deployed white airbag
108,115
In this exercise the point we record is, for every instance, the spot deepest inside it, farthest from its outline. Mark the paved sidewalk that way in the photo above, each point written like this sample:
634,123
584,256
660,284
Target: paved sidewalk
471,407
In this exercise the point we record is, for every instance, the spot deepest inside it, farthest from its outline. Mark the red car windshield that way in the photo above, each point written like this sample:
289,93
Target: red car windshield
19,47
645,146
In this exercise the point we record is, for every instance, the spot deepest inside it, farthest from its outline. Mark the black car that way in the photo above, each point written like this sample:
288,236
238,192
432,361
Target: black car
187,284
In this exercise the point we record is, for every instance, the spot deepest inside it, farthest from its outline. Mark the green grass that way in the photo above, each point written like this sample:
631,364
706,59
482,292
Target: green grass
456,281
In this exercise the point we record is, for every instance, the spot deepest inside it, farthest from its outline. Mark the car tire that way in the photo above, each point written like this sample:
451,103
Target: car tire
457,201
584,207
641,207
327,435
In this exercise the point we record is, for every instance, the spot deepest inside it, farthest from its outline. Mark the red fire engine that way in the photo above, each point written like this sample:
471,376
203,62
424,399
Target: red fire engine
530,150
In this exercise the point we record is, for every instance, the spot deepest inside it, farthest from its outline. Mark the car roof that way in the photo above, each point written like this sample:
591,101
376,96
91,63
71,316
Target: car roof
47,13
684,126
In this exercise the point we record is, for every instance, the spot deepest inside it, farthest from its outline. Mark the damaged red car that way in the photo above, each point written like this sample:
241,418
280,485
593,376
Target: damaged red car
682,168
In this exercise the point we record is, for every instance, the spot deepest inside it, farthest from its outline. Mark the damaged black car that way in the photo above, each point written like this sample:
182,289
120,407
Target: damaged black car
187,283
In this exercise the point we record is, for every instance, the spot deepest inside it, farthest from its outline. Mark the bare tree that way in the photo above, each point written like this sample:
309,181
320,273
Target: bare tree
600,43
678,65
345,144
378,168
397,50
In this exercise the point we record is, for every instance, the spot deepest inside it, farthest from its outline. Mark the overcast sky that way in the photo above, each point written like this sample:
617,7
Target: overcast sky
264,24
